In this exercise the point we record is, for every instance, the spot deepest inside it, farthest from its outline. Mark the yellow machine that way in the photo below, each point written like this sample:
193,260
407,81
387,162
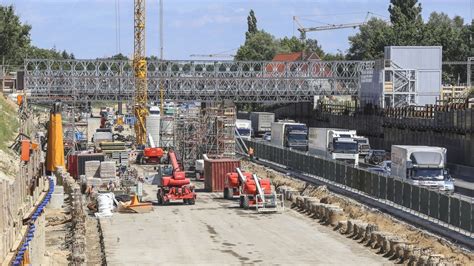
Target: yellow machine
140,70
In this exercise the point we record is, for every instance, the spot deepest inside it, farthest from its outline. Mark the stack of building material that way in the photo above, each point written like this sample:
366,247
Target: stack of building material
102,136
120,156
107,169
92,168
112,146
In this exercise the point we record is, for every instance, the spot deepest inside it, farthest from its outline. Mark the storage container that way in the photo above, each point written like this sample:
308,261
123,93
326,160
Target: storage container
215,171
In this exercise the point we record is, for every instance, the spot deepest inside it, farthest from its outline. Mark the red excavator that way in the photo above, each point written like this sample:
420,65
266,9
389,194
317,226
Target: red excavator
173,184
252,191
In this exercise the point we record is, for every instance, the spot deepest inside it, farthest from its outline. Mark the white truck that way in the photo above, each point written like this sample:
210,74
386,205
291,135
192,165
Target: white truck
244,128
337,144
422,166
261,122
290,135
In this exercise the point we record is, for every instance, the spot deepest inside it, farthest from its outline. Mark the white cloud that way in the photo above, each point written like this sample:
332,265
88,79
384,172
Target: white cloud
207,20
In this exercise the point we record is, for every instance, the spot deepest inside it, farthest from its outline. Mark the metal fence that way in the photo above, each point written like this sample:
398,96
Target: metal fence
453,211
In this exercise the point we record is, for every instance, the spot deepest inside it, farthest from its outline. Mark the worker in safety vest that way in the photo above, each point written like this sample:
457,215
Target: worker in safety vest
251,153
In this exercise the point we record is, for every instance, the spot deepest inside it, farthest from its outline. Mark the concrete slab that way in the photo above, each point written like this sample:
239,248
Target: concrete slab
216,231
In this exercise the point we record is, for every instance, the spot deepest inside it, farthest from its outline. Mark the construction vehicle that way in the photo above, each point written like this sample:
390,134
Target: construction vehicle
150,154
232,184
256,192
173,184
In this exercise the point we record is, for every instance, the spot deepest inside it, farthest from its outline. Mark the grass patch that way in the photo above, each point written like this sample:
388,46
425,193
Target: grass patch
8,123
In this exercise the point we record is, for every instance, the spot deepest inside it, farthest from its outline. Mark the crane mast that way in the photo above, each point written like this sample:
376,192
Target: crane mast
140,71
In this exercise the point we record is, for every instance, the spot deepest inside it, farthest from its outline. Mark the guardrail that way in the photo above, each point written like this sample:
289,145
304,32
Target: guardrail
451,211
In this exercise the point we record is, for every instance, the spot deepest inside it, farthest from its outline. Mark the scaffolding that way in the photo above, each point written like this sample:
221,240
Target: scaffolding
226,132
187,136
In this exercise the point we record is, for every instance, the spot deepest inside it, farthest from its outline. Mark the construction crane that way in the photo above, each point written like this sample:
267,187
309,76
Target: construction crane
303,30
140,71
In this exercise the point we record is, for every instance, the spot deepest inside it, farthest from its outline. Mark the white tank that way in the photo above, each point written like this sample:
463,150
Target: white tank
153,128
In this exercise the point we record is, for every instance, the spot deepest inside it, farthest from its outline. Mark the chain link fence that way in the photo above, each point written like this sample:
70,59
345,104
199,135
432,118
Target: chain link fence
453,211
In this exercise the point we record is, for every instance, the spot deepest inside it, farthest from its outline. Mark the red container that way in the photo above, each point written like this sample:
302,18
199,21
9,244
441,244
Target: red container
215,171
72,164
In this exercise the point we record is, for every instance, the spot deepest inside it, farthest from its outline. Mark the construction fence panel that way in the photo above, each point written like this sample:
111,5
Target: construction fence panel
454,215
320,167
390,189
375,185
415,198
332,170
444,208
407,194
424,201
349,176
398,193
466,216
383,187
434,204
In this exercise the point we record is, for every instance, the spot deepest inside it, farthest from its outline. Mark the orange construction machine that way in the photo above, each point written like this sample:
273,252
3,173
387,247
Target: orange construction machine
173,184
252,191
151,154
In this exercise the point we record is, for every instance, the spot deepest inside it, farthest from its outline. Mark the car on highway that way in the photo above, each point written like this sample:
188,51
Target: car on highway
377,170
387,166
375,157
267,136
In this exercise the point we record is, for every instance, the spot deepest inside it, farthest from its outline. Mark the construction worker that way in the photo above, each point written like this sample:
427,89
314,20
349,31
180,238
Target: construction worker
251,153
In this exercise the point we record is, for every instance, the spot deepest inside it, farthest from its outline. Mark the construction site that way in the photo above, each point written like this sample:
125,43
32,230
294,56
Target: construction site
288,156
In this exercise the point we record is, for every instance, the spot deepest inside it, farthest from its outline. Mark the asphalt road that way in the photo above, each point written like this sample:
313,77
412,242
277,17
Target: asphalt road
215,231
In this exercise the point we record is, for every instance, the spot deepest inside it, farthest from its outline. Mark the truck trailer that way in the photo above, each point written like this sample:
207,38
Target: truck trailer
422,166
336,144
290,135
261,122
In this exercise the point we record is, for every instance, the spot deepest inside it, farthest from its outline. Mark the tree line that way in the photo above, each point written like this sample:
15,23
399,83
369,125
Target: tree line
15,41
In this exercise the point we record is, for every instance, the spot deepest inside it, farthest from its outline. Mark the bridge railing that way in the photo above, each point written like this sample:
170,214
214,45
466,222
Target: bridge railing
452,211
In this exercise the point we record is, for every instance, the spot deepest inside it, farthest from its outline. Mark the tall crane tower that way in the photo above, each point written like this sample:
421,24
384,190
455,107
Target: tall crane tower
140,71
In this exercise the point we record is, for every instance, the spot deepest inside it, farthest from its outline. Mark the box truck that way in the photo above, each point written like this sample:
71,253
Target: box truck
422,166
261,122
290,135
336,144
244,128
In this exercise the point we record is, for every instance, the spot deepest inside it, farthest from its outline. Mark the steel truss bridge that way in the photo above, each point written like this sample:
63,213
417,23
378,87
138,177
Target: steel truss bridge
206,81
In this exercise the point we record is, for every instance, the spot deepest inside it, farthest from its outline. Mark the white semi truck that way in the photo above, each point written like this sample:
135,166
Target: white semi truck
422,166
290,135
261,122
337,144
244,128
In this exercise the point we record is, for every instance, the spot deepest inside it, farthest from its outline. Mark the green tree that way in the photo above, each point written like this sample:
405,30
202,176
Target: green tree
291,45
369,42
407,22
453,35
14,36
251,24
259,46
312,46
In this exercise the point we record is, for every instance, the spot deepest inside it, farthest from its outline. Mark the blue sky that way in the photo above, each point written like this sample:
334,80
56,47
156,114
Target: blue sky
88,27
